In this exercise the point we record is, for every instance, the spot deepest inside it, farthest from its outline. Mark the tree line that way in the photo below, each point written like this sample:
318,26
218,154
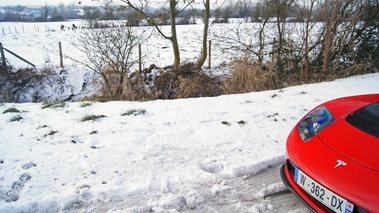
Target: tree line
220,11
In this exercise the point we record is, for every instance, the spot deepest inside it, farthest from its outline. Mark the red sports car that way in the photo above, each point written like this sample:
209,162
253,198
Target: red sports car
332,156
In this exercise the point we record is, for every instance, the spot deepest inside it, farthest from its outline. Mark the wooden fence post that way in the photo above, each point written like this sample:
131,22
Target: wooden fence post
210,54
60,54
3,62
139,58
273,50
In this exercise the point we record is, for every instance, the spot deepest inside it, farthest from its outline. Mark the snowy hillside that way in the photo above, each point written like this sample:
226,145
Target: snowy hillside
156,156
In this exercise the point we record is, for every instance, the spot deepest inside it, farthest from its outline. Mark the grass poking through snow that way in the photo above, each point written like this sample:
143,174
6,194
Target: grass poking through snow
92,117
11,110
53,104
134,112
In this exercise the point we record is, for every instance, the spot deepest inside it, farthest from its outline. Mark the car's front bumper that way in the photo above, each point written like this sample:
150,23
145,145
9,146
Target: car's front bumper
288,179
303,196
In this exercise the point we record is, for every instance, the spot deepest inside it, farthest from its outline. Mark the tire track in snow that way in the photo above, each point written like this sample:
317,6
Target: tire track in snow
259,193
262,192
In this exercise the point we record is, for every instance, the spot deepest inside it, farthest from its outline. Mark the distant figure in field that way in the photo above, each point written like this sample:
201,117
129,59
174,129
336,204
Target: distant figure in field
62,27
74,27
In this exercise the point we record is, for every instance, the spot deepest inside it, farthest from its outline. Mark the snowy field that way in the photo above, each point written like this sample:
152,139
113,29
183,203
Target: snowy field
38,43
167,156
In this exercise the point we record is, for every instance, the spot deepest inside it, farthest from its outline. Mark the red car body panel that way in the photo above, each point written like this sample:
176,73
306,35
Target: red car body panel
363,148
358,182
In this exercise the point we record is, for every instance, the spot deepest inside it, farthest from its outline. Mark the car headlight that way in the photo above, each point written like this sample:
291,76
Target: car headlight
312,124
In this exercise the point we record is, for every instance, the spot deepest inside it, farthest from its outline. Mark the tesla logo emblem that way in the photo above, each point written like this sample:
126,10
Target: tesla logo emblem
340,163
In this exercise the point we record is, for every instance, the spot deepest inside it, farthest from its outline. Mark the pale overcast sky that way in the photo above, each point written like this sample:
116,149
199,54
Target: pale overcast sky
42,2
67,2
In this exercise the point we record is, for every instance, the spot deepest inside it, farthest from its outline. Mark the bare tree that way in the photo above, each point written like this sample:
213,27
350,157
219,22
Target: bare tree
280,10
110,55
91,15
251,40
331,13
367,51
175,8
307,11
45,12
345,27
335,39
71,11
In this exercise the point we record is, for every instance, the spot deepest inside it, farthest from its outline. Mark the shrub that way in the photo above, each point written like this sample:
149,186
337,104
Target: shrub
11,110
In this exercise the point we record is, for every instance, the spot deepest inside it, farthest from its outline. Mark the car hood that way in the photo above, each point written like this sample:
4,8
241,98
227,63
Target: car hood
352,143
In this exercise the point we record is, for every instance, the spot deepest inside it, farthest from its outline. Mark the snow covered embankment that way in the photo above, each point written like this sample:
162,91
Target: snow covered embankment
158,156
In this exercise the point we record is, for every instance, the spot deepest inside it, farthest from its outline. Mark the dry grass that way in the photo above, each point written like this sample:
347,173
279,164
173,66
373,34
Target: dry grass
165,85
111,83
248,77
200,85
120,86
187,82
136,88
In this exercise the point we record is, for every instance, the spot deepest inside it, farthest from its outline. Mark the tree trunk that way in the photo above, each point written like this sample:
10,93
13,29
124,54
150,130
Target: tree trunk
328,36
281,19
203,56
174,38
326,47
308,17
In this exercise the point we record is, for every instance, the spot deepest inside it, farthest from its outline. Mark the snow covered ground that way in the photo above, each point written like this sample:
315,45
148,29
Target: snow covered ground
166,156
187,155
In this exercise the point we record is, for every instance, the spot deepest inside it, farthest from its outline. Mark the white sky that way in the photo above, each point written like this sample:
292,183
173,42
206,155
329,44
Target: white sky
64,2
42,2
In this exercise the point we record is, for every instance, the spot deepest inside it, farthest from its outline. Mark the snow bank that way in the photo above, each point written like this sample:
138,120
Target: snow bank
187,154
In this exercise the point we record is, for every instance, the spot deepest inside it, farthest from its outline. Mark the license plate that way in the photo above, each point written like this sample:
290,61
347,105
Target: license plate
322,194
